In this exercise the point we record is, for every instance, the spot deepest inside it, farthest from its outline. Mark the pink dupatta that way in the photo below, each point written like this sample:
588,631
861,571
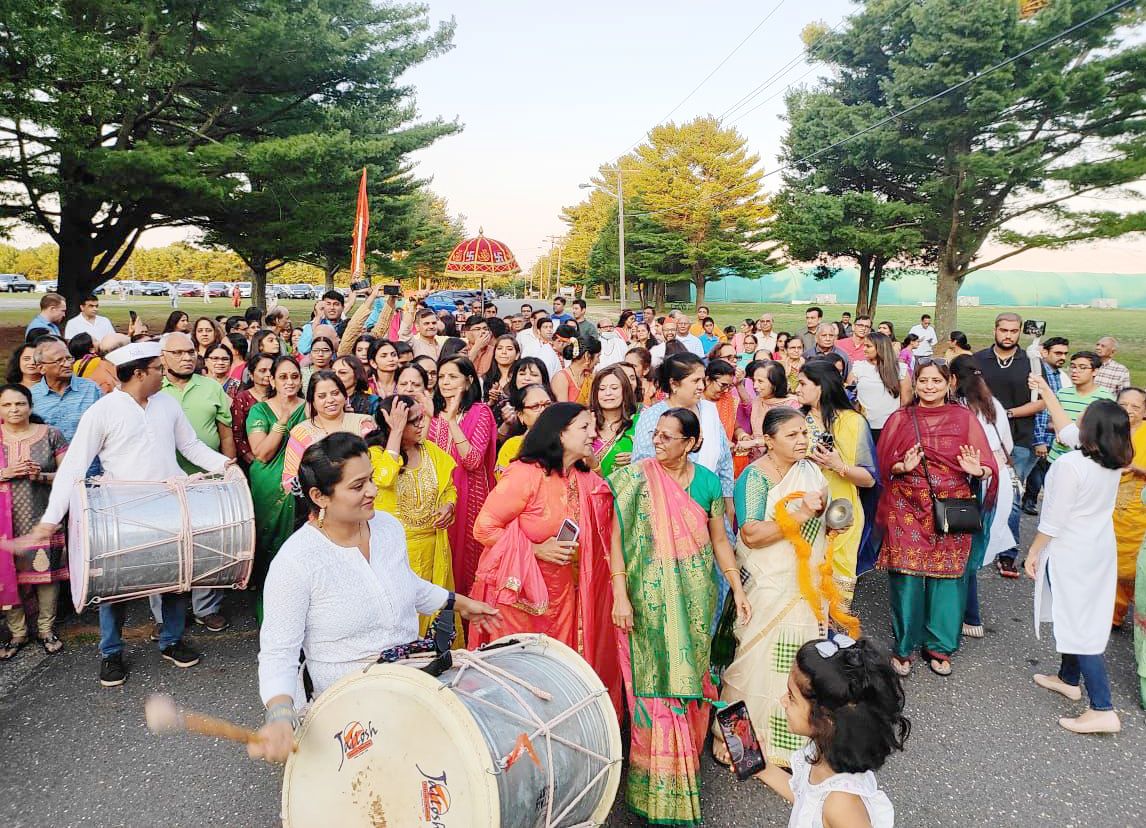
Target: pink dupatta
9,591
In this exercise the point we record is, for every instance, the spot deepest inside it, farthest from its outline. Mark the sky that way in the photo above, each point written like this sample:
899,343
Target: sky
546,92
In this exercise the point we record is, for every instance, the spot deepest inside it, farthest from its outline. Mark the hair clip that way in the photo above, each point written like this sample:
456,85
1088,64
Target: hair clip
295,487
838,642
576,348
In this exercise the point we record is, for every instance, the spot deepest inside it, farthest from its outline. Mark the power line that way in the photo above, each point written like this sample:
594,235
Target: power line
1041,45
707,77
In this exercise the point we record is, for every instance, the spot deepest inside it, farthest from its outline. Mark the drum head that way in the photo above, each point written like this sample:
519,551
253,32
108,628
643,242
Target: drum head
389,747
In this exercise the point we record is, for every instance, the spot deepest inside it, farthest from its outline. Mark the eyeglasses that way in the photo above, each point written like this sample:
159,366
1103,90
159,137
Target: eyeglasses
541,406
925,361
829,648
1081,366
61,361
188,353
220,357
725,386
660,435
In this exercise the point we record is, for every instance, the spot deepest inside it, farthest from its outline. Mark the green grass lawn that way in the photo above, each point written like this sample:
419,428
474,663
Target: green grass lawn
1082,326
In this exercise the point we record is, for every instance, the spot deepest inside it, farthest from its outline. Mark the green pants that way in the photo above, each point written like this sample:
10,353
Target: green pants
926,612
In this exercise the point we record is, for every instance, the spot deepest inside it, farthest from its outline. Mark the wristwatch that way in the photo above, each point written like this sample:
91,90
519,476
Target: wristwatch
1010,414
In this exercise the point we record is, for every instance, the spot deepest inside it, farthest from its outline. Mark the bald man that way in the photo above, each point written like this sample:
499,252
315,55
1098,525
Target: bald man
1112,375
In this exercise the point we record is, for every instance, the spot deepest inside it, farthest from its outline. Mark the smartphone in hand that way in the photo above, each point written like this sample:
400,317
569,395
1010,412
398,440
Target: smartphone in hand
740,738
569,531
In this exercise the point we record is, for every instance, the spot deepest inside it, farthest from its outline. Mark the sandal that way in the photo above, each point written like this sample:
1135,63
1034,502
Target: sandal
727,760
51,644
902,666
938,663
973,630
9,650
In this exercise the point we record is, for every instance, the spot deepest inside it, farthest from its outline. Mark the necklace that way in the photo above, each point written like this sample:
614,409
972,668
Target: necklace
1004,363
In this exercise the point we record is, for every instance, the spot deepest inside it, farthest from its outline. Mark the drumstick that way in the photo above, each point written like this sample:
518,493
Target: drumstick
164,716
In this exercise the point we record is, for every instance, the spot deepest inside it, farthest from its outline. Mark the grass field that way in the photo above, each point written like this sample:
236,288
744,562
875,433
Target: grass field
1081,326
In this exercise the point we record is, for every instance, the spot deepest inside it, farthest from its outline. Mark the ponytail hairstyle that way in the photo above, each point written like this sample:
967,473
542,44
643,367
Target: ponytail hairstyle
857,705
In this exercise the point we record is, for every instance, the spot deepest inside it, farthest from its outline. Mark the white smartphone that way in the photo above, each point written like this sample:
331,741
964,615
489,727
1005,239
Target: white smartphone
569,531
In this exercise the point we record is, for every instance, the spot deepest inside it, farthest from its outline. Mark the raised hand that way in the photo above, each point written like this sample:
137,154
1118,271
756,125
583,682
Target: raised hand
969,461
912,458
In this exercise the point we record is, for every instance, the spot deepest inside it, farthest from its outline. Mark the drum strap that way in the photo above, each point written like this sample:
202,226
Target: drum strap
441,637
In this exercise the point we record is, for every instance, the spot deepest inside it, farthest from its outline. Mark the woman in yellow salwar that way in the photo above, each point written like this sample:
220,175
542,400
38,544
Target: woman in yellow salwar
416,485
782,551
839,442
1129,512
669,528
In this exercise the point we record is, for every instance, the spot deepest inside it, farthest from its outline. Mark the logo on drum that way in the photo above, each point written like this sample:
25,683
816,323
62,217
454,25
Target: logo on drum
435,798
354,740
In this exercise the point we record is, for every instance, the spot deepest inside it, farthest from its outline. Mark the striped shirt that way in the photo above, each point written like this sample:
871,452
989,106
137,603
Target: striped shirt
1074,404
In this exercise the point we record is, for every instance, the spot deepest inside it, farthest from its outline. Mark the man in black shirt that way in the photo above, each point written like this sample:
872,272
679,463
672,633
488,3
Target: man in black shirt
1005,369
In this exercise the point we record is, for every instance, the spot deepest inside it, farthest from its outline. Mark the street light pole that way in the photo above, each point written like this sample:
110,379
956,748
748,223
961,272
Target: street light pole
621,233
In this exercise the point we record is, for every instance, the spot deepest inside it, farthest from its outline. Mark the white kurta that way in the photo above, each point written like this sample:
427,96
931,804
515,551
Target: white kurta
338,608
1080,561
1002,444
133,442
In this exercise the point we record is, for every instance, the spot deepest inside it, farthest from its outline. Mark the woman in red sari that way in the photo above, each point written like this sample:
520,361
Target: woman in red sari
464,427
928,572
538,583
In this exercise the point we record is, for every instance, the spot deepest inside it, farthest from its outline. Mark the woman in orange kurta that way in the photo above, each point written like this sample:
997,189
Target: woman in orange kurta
540,584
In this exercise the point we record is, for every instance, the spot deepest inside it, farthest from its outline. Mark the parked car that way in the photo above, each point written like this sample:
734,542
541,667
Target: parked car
447,300
218,289
15,283
297,291
150,289
188,289
45,286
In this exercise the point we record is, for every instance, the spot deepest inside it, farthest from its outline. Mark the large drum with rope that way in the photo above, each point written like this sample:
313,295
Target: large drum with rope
128,539
520,734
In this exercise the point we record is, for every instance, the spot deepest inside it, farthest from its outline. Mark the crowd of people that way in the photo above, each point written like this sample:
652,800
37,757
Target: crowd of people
688,507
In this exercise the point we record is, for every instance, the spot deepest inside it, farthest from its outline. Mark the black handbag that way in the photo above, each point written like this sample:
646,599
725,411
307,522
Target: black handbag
953,515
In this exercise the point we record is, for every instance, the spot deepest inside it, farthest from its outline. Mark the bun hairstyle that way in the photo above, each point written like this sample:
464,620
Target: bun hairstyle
776,417
857,705
675,369
578,347
321,466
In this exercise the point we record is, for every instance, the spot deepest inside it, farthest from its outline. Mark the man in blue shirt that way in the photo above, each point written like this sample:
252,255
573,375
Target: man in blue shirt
333,305
559,316
53,309
60,398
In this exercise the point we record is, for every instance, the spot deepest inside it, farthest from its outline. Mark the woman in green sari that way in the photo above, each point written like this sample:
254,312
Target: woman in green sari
613,401
668,527
268,424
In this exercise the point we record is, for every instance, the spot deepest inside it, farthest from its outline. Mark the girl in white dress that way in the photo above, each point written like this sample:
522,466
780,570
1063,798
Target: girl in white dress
844,696
1074,558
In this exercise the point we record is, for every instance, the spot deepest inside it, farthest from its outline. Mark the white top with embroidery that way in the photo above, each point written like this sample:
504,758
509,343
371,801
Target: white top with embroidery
808,810
338,608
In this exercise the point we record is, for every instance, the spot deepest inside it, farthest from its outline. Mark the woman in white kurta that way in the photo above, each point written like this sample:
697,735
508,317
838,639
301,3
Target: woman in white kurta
1073,558
340,589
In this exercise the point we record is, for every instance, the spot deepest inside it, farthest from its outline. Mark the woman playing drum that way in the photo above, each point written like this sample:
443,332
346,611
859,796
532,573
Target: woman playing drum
340,589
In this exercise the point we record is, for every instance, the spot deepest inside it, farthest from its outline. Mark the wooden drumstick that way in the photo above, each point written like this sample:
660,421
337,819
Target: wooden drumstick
164,716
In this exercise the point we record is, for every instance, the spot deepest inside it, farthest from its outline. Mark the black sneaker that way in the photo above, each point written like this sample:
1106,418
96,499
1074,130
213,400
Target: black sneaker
181,655
112,672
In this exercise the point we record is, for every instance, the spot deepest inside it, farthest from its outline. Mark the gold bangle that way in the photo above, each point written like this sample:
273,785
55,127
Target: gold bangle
618,572
730,569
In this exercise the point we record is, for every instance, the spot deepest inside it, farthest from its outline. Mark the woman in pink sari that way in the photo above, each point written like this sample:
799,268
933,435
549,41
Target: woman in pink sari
538,583
464,427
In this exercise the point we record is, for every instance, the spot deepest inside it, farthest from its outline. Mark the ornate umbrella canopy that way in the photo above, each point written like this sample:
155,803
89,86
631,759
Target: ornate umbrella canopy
481,257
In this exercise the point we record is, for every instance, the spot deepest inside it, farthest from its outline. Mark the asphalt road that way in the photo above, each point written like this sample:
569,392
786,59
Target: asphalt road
985,747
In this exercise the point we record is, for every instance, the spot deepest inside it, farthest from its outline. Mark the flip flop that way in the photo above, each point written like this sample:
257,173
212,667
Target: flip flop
9,650
902,666
943,662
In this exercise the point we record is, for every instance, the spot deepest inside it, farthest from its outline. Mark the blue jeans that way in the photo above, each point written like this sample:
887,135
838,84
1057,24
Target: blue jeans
1092,670
111,623
1024,460
204,602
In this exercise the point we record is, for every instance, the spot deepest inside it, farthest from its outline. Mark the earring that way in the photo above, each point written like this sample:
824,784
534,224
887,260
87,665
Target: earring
321,516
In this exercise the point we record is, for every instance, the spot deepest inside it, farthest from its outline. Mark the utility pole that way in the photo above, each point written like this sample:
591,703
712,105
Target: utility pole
553,242
621,233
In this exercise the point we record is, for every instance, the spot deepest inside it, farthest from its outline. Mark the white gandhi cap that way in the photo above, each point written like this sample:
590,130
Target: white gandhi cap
132,352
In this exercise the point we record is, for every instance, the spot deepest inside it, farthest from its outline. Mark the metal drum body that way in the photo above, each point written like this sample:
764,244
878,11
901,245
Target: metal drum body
128,539
393,746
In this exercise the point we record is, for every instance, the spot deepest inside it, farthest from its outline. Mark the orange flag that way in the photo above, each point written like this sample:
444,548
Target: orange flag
361,225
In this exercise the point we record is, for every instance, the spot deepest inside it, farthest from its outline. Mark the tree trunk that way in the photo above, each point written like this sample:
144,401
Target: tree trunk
947,287
658,295
698,281
330,269
74,277
259,284
864,282
873,294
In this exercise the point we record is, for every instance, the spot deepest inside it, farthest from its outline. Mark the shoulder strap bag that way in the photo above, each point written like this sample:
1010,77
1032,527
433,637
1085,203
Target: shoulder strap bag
953,515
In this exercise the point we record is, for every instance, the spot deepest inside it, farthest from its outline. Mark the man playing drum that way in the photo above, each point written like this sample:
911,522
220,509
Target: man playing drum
135,432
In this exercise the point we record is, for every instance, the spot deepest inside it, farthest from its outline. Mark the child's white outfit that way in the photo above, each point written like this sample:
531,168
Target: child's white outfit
808,809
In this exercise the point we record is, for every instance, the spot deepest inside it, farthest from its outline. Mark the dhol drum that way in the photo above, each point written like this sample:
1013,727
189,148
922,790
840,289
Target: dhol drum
128,539
521,734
